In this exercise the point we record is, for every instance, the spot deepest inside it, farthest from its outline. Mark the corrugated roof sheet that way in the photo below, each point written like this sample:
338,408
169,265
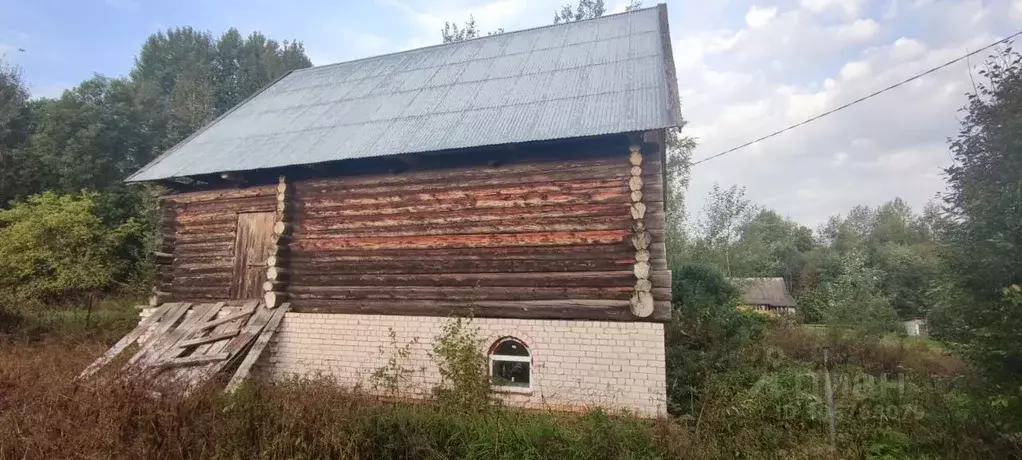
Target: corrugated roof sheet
764,291
600,76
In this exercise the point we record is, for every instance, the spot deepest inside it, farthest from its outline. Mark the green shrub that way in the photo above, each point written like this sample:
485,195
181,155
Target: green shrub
464,376
707,335
55,249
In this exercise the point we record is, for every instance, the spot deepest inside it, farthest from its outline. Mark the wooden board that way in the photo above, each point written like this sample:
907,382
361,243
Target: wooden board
189,344
251,248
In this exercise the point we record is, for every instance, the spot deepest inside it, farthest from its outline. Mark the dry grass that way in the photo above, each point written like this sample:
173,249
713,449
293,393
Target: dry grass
891,356
44,414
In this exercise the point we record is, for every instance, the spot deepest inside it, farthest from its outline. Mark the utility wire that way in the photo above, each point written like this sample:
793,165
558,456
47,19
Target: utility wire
845,106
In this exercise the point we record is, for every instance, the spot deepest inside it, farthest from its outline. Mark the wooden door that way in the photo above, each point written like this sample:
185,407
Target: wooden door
251,248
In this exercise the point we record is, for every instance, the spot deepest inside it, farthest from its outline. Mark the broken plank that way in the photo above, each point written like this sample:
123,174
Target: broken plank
127,340
245,311
169,320
200,314
208,339
257,349
165,342
193,376
192,360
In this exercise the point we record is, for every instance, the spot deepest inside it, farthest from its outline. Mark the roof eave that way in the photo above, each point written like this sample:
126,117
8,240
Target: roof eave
672,75
132,178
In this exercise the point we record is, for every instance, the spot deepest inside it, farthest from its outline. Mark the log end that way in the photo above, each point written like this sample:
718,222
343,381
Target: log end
273,299
642,304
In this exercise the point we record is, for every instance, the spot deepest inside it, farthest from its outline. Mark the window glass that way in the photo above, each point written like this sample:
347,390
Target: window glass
510,364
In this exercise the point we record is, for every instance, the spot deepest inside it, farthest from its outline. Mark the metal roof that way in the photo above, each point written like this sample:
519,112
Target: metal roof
606,75
764,291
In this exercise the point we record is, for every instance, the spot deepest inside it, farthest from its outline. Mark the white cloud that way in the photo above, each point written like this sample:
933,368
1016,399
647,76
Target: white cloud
759,17
891,145
858,30
1016,9
854,70
850,8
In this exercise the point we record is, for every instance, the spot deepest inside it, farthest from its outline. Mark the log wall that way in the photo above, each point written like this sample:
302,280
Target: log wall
535,240
199,235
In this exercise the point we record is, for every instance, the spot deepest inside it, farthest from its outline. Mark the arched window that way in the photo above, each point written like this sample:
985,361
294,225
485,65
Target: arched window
510,365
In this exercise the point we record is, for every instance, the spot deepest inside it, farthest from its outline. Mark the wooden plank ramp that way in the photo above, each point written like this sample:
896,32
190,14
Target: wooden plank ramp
188,344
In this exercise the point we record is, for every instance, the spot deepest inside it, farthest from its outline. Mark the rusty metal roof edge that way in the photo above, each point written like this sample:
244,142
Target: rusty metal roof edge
201,130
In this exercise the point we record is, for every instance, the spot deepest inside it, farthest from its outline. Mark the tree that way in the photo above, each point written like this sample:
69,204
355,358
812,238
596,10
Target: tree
727,211
451,33
854,299
17,170
185,77
92,136
586,9
985,198
679,161
633,5
771,245
984,232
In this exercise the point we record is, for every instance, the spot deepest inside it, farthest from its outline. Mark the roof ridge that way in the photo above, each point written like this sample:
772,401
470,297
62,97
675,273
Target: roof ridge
438,45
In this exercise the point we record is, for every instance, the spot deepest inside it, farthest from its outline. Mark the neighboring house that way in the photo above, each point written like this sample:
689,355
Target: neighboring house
517,178
765,294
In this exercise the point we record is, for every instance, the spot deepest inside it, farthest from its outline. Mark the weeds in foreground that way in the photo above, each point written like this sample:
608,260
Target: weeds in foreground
44,415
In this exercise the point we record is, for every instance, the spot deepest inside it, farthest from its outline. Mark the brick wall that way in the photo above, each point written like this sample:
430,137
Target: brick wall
576,364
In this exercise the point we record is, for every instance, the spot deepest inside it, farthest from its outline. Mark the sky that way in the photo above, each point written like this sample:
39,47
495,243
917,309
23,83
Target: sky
745,69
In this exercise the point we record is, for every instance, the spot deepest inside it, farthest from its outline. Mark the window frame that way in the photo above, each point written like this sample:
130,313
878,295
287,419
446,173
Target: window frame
494,357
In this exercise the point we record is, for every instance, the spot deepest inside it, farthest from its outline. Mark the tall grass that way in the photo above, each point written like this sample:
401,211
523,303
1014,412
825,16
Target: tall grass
911,415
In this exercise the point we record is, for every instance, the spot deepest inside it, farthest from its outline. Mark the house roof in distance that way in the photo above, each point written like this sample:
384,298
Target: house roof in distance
764,291
599,76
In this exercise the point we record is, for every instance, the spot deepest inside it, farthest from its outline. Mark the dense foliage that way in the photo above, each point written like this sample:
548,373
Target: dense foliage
55,249
981,309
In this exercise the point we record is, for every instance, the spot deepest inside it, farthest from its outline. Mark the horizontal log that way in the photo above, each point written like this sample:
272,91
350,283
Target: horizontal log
478,240
540,279
343,208
209,249
201,262
210,218
216,279
601,310
457,191
204,291
572,224
212,236
595,251
228,226
515,173
460,266
314,216
300,291
251,204
220,194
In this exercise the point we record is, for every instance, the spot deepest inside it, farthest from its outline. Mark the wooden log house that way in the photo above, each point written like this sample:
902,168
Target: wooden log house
518,178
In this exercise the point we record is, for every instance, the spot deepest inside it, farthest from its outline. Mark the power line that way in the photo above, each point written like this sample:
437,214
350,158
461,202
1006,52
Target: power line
845,106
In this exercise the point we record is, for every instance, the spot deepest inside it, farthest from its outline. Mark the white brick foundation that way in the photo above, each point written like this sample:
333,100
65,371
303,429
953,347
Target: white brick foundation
575,364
